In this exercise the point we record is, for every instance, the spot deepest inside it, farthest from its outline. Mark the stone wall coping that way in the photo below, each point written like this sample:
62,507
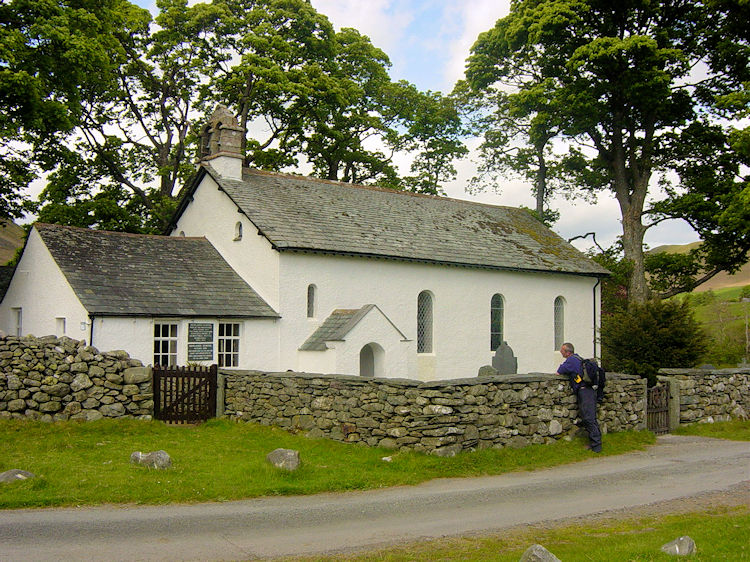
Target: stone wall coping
468,381
704,372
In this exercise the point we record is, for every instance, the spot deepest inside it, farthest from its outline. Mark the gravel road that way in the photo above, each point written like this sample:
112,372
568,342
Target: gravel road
678,469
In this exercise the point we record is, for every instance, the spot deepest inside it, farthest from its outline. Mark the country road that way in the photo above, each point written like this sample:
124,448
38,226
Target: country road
675,467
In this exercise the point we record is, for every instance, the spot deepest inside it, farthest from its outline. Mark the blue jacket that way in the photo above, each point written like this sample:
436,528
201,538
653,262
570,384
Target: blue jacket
572,368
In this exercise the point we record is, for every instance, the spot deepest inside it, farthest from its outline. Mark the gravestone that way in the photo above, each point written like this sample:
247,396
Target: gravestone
504,361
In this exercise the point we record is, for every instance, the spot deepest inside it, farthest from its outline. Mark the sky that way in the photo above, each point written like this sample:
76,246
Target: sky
428,42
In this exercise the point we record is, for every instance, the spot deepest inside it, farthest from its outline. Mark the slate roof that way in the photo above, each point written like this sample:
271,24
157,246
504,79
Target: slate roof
119,274
303,214
337,326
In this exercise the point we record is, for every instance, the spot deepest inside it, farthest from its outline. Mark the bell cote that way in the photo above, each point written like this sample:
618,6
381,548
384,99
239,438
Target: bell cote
221,142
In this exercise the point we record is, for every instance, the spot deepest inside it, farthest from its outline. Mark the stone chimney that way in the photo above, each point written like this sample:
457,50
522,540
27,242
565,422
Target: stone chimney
221,139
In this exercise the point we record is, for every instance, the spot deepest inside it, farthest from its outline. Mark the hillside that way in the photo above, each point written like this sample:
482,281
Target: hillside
719,281
11,238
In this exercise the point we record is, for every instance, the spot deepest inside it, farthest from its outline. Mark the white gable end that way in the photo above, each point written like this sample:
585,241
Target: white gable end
211,213
47,303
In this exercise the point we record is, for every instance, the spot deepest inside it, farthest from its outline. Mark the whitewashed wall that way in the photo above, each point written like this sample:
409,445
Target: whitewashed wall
461,309
43,293
258,339
213,215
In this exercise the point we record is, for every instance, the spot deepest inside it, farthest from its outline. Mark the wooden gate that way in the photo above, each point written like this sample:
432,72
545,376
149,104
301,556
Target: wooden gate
184,394
657,412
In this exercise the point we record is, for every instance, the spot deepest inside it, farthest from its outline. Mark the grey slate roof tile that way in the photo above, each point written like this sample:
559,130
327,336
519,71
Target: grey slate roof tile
334,328
338,325
297,213
120,274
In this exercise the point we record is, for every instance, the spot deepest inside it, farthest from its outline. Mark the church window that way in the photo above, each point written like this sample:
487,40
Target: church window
311,290
424,322
229,344
559,321
165,344
497,311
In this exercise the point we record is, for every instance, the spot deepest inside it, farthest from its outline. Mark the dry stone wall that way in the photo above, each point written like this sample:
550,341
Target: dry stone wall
440,417
711,395
52,378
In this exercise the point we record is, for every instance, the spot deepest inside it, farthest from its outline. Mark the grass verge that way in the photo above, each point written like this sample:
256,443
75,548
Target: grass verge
736,430
720,535
89,463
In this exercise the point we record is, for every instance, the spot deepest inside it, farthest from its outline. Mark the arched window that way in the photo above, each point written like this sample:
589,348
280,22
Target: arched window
559,322
206,141
497,310
311,290
424,322
238,231
182,233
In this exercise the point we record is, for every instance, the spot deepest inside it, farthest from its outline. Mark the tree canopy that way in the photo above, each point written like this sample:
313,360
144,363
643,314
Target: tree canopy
117,99
630,89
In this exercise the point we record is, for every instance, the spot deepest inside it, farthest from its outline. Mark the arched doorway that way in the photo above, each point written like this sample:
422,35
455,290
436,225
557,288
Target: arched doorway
371,361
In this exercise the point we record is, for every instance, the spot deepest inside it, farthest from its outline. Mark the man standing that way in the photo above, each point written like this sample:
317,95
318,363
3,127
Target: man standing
572,368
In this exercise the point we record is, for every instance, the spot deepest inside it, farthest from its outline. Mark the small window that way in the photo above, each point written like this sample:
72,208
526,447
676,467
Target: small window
238,231
60,324
165,344
496,321
18,321
559,322
229,345
182,233
311,290
424,322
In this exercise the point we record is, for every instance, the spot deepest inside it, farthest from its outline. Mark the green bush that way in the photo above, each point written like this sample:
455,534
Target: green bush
646,337
744,292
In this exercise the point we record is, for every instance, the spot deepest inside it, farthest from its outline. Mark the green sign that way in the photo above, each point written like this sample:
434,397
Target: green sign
200,332
200,352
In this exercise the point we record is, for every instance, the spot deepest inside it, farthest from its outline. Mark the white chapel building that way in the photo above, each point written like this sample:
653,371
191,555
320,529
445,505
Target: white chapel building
277,272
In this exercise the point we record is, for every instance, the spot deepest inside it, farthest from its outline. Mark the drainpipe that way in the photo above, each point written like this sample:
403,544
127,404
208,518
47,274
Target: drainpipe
91,331
593,298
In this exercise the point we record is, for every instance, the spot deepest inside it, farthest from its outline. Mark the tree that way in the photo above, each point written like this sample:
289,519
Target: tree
300,90
268,64
619,80
131,143
514,142
55,57
648,336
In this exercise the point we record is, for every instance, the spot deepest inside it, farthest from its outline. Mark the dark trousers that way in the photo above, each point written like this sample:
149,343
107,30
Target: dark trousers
587,411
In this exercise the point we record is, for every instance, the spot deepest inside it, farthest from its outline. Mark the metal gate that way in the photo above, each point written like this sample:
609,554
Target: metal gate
657,412
184,394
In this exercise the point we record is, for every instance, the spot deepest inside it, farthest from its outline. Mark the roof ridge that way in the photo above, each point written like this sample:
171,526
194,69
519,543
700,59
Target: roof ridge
300,177
45,225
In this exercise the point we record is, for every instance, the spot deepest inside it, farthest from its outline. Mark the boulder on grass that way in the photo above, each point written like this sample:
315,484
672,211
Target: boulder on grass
537,553
15,474
683,546
286,459
156,459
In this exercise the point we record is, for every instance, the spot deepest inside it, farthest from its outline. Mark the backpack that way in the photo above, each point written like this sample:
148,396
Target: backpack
594,376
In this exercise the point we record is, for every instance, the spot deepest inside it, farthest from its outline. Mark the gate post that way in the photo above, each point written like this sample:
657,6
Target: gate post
674,402
220,404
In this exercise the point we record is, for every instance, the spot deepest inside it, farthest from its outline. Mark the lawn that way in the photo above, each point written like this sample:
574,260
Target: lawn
720,535
89,463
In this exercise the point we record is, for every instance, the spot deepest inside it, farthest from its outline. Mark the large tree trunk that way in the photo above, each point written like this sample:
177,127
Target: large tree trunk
631,199
632,244
541,181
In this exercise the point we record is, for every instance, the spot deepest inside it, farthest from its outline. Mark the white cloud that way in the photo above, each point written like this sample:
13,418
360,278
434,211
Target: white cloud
475,17
383,21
